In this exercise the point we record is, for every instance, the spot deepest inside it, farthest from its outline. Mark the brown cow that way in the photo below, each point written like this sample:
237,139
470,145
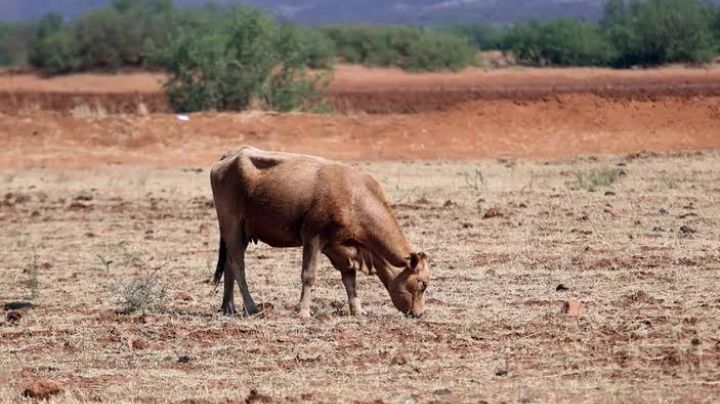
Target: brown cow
294,200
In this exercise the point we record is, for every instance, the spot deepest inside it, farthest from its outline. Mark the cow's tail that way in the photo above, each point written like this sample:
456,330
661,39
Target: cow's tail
222,258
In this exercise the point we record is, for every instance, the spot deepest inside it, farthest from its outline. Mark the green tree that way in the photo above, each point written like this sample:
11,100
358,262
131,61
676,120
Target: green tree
481,36
660,31
246,59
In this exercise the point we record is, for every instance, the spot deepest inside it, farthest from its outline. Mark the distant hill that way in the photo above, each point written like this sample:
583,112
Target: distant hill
355,11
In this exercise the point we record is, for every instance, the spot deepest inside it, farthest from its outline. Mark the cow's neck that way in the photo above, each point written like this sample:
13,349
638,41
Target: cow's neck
387,273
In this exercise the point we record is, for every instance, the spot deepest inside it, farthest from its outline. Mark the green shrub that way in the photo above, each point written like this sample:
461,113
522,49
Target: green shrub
438,52
15,43
660,31
560,43
303,46
407,47
481,36
247,59
53,47
117,36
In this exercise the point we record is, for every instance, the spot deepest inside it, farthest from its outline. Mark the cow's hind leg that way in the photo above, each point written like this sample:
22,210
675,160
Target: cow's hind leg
224,269
228,302
237,244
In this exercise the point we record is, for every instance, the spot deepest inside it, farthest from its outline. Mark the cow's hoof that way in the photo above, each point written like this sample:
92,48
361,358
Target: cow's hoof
228,310
251,311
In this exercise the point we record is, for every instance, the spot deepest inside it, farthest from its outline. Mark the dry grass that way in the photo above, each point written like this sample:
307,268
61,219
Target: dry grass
494,331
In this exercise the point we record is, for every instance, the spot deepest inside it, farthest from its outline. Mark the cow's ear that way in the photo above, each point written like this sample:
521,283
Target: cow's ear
414,261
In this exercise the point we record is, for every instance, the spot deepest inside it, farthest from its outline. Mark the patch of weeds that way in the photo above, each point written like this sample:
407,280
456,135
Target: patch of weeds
21,243
105,262
127,256
478,184
33,282
591,179
670,183
476,181
143,293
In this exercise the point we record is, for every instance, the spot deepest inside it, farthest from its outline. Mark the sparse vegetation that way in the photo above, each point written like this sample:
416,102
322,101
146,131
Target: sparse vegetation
15,43
247,60
660,31
596,178
32,271
494,318
644,33
143,293
558,43
408,47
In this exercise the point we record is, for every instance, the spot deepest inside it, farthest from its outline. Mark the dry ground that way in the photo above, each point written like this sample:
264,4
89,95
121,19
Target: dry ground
354,89
648,329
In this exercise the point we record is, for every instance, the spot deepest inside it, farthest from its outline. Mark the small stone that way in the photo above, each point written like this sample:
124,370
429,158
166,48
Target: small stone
572,308
561,288
663,211
17,305
467,225
184,359
138,344
399,360
184,296
43,389
501,372
255,397
610,193
610,212
492,213
687,230
442,392
13,316
84,196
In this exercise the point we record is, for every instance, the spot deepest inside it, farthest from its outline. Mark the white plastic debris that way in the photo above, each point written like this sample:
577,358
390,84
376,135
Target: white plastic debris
183,118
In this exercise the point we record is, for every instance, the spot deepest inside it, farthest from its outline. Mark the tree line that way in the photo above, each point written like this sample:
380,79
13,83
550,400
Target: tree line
233,58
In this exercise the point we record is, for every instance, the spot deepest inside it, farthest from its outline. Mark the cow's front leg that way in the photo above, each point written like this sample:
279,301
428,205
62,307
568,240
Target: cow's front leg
348,279
311,250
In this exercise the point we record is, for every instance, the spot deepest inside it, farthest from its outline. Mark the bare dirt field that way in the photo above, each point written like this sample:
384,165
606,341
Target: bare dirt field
355,89
522,113
529,189
635,240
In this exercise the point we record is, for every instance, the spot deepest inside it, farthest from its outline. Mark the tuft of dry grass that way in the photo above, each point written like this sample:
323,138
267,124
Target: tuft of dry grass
141,293
494,330
597,177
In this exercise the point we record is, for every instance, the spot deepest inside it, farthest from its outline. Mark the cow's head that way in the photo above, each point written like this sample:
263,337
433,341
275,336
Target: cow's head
407,290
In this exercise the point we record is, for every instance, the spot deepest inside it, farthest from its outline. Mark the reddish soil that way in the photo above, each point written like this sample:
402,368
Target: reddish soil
543,114
375,91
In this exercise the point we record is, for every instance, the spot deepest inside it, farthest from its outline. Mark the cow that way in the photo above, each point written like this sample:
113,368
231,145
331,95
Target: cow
326,207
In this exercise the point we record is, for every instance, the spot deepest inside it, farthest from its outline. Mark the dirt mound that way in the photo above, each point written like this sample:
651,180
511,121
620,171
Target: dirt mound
356,89
557,127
